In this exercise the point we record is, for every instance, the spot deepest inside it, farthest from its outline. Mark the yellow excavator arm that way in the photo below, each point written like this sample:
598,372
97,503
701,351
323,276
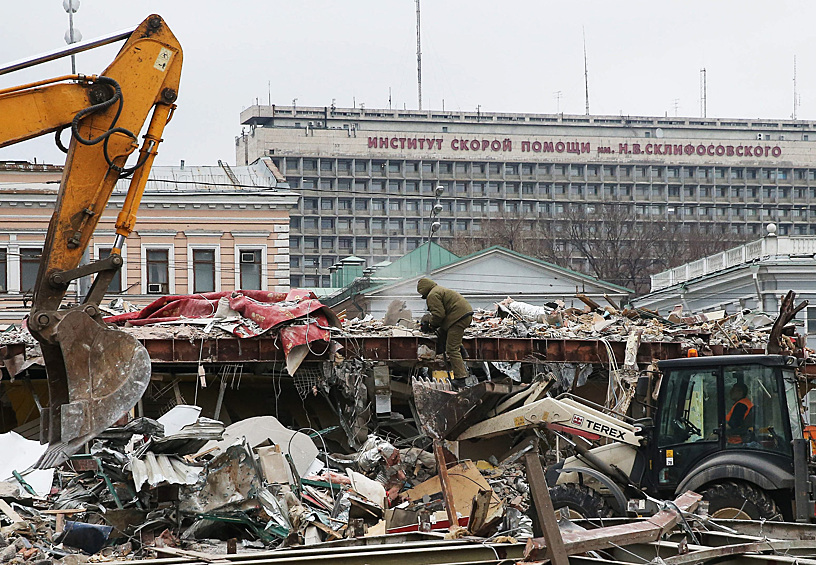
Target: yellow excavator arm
95,374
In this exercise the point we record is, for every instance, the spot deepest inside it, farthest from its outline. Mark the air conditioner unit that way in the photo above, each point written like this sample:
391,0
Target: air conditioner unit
247,257
759,136
154,287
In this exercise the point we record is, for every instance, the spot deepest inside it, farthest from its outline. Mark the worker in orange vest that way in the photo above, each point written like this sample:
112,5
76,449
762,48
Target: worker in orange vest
739,419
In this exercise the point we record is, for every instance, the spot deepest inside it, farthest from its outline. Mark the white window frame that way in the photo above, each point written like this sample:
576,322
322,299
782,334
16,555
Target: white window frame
13,267
264,260
122,269
190,269
171,265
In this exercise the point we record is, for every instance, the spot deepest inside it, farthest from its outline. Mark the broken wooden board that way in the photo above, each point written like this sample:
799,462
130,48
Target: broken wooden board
466,481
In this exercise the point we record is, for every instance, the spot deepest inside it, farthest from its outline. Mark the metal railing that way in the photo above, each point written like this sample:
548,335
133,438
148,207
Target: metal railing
770,246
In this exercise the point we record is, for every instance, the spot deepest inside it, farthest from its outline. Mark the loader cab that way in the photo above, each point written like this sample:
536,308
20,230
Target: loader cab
745,407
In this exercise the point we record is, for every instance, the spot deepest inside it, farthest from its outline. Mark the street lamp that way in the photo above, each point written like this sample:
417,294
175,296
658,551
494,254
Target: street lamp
435,224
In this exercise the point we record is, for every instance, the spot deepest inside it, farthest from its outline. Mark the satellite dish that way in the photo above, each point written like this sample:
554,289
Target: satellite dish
659,133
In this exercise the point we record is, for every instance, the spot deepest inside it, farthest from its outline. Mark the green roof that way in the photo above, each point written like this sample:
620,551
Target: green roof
414,263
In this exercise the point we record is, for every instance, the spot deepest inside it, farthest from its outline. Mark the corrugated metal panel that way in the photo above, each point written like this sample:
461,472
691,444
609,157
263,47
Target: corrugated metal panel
155,469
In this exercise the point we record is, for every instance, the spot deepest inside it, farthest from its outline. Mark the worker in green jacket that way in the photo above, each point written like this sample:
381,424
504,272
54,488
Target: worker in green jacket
448,314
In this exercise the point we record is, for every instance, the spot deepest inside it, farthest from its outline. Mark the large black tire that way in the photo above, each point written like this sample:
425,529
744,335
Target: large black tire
740,501
581,501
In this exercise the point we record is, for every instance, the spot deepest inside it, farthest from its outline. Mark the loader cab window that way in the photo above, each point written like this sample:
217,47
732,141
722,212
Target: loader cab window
690,410
755,414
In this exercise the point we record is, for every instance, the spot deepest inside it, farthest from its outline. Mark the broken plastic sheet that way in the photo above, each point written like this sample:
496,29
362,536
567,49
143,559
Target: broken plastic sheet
512,370
570,375
525,311
20,454
179,416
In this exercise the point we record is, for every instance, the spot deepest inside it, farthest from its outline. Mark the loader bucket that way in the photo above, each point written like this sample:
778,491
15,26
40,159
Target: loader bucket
95,376
445,413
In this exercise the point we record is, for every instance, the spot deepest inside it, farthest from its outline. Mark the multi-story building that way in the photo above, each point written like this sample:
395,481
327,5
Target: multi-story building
367,177
199,229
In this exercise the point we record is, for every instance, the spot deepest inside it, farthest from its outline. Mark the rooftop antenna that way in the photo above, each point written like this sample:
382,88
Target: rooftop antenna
269,87
419,61
676,106
586,72
557,95
389,97
703,88
795,95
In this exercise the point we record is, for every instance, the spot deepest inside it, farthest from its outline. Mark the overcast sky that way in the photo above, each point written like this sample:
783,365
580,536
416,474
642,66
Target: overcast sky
644,58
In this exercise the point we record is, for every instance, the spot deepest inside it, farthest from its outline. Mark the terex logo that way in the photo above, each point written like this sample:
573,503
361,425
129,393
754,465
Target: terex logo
578,420
604,429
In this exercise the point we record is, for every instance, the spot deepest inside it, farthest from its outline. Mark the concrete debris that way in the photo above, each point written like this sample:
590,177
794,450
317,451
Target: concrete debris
328,470
514,318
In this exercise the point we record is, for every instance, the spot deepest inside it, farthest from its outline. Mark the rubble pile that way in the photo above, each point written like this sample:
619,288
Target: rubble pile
517,319
153,488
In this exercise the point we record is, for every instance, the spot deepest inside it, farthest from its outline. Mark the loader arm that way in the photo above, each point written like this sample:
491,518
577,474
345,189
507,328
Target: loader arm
95,374
561,415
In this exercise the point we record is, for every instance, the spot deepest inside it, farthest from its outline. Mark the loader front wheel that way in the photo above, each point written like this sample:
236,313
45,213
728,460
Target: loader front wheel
733,500
580,501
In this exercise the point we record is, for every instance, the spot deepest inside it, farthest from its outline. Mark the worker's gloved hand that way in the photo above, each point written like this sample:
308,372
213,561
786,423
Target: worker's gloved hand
425,324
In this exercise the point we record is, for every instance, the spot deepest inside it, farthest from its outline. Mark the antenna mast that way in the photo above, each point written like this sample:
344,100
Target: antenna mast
703,88
795,95
586,72
419,61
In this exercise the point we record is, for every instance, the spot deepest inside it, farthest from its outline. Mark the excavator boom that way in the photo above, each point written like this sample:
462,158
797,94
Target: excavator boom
95,374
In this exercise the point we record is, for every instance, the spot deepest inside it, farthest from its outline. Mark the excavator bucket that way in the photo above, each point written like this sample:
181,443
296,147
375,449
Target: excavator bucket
445,413
95,376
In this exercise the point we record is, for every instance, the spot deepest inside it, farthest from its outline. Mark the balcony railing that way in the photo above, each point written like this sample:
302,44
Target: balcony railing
768,247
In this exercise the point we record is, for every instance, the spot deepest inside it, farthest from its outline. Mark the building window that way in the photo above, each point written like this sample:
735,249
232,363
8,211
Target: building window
203,270
427,167
811,320
344,204
294,261
250,269
116,282
360,166
158,271
327,204
326,165
327,223
29,265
